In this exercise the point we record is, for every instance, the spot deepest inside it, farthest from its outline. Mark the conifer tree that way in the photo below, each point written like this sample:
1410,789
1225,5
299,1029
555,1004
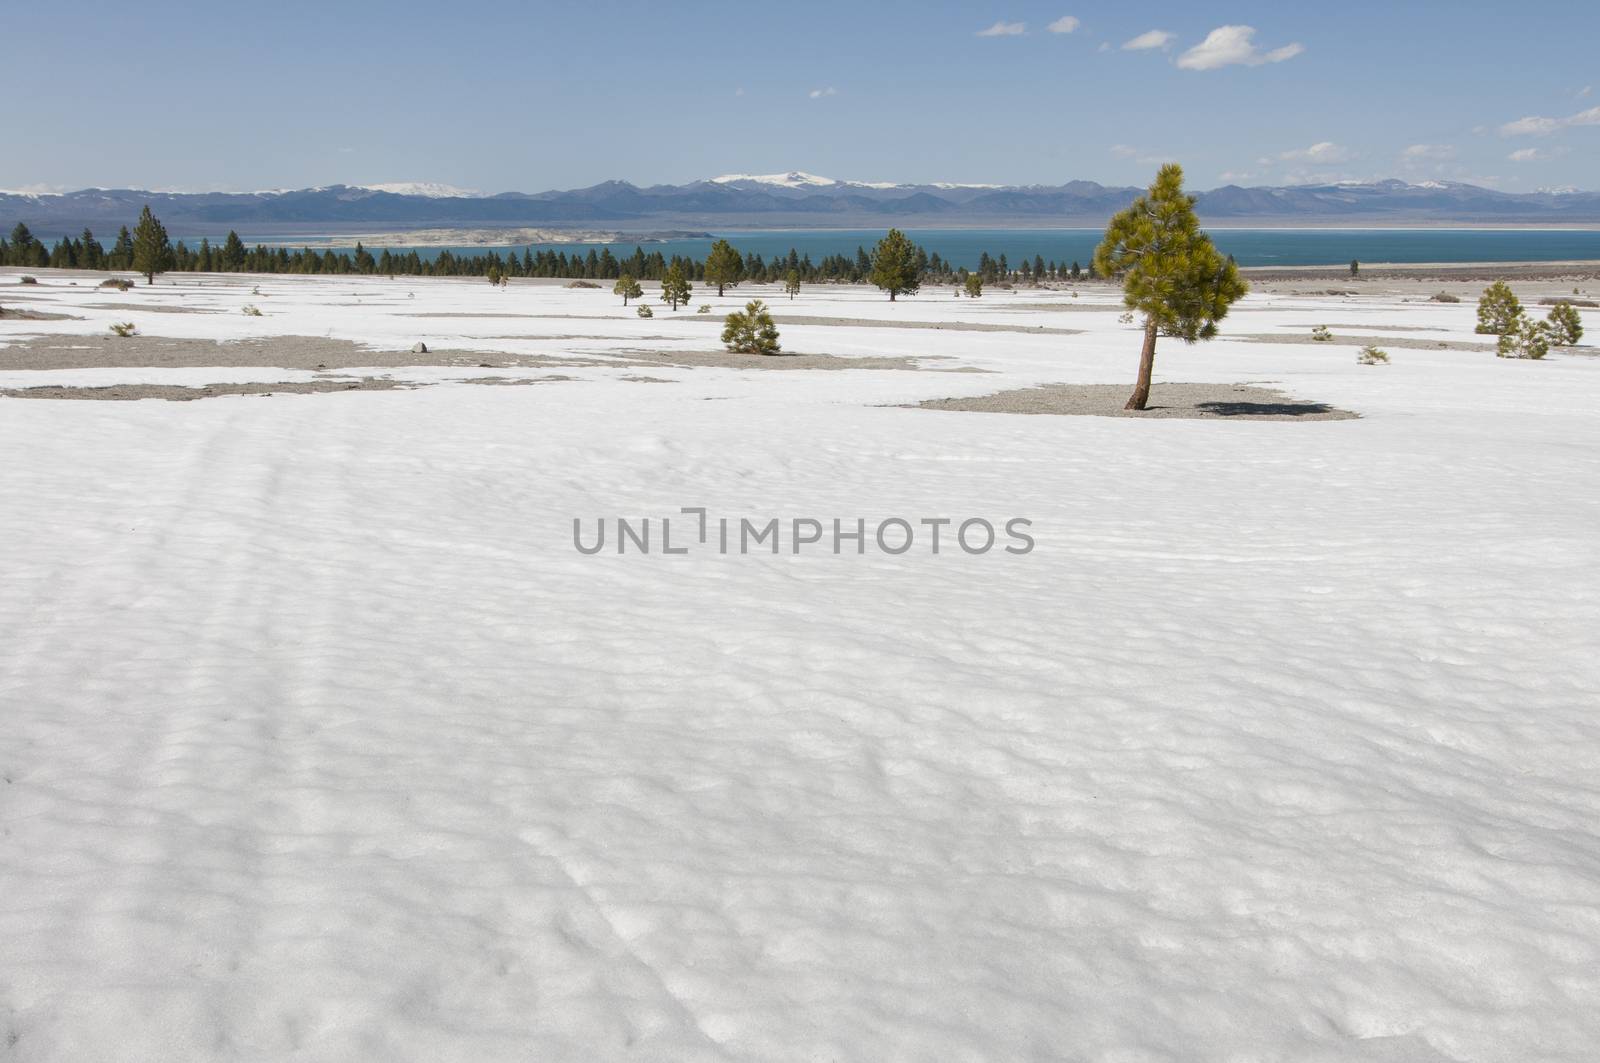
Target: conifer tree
1566,325
152,253
894,265
791,283
974,286
94,256
21,252
751,331
233,253
675,288
1172,273
122,251
724,267
1498,310
627,287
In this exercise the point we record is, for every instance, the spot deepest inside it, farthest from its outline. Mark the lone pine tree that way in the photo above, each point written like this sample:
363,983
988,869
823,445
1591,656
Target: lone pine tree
1171,272
675,288
152,253
894,265
724,267
627,287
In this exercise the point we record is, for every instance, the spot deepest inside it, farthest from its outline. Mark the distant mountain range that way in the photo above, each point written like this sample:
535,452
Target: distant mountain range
795,200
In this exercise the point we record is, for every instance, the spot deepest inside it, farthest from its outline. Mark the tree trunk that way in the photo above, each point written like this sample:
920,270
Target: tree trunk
891,295
719,291
1147,363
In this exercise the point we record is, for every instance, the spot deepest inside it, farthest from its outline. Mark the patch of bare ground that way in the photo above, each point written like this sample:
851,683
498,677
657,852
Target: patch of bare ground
728,360
13,314
1405,342
1233,402
152,308
281,352
501,381
178,393
946,326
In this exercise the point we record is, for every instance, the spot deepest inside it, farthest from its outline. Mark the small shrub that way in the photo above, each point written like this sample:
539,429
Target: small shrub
29,280
252,311
1370,355
974,286
1498,310
127,328
1588,303
1565,324
751,331
583,284
118,283
1320,334
644,311
1524,338
705,308
1446,297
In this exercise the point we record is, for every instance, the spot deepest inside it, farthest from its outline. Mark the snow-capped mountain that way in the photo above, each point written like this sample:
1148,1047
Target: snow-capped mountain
792,179
795,199
425,189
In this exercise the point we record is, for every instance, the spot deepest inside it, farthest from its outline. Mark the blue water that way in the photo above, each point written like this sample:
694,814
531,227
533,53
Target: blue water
1251,247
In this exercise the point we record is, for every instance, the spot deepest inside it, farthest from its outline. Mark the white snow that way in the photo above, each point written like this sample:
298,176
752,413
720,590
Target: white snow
320,741
428,189
792,179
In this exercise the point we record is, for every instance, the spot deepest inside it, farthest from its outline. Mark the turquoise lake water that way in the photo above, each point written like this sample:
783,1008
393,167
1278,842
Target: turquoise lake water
1251,247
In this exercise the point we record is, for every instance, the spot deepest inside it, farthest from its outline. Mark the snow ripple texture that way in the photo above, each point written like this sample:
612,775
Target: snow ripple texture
320,742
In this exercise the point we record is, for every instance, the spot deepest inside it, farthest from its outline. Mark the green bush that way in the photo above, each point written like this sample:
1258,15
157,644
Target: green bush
126,328
1370,355
1524,338
644,311
1566,325
1446,297
252,311
1320,334
751,331
1498,310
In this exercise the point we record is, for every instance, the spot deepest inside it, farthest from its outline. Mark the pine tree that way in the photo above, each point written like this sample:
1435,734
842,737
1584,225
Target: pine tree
152,253
121,256
94,256
1566,325
724,267
233,253
894,265
752,331
974,286
675,288
21,253
1498,309
1172,273
1355,269
791,282
627,287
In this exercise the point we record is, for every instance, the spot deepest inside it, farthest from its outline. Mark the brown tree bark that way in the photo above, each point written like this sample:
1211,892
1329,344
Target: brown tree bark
1147,364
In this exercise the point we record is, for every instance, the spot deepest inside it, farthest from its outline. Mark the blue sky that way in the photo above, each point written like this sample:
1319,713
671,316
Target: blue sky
537,96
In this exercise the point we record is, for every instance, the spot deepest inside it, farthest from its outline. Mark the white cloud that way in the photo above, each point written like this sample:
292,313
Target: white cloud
1143,157
1585,92
1527,155
1123,151
1153,39
1428,153
1233,175
1004,29
1105,46
1064,24
1233,45
1324,152
1537,126
817,94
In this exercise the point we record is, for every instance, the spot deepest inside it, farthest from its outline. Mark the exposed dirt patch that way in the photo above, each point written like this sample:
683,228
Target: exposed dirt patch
1234,402
281,352
151,308
11,313
1404,342
177,393
944,326
726,360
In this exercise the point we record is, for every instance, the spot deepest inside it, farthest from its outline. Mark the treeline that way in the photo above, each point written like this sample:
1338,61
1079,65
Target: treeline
232,256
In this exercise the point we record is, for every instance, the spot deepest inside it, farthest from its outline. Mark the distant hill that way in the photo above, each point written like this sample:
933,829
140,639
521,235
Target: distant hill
778,200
